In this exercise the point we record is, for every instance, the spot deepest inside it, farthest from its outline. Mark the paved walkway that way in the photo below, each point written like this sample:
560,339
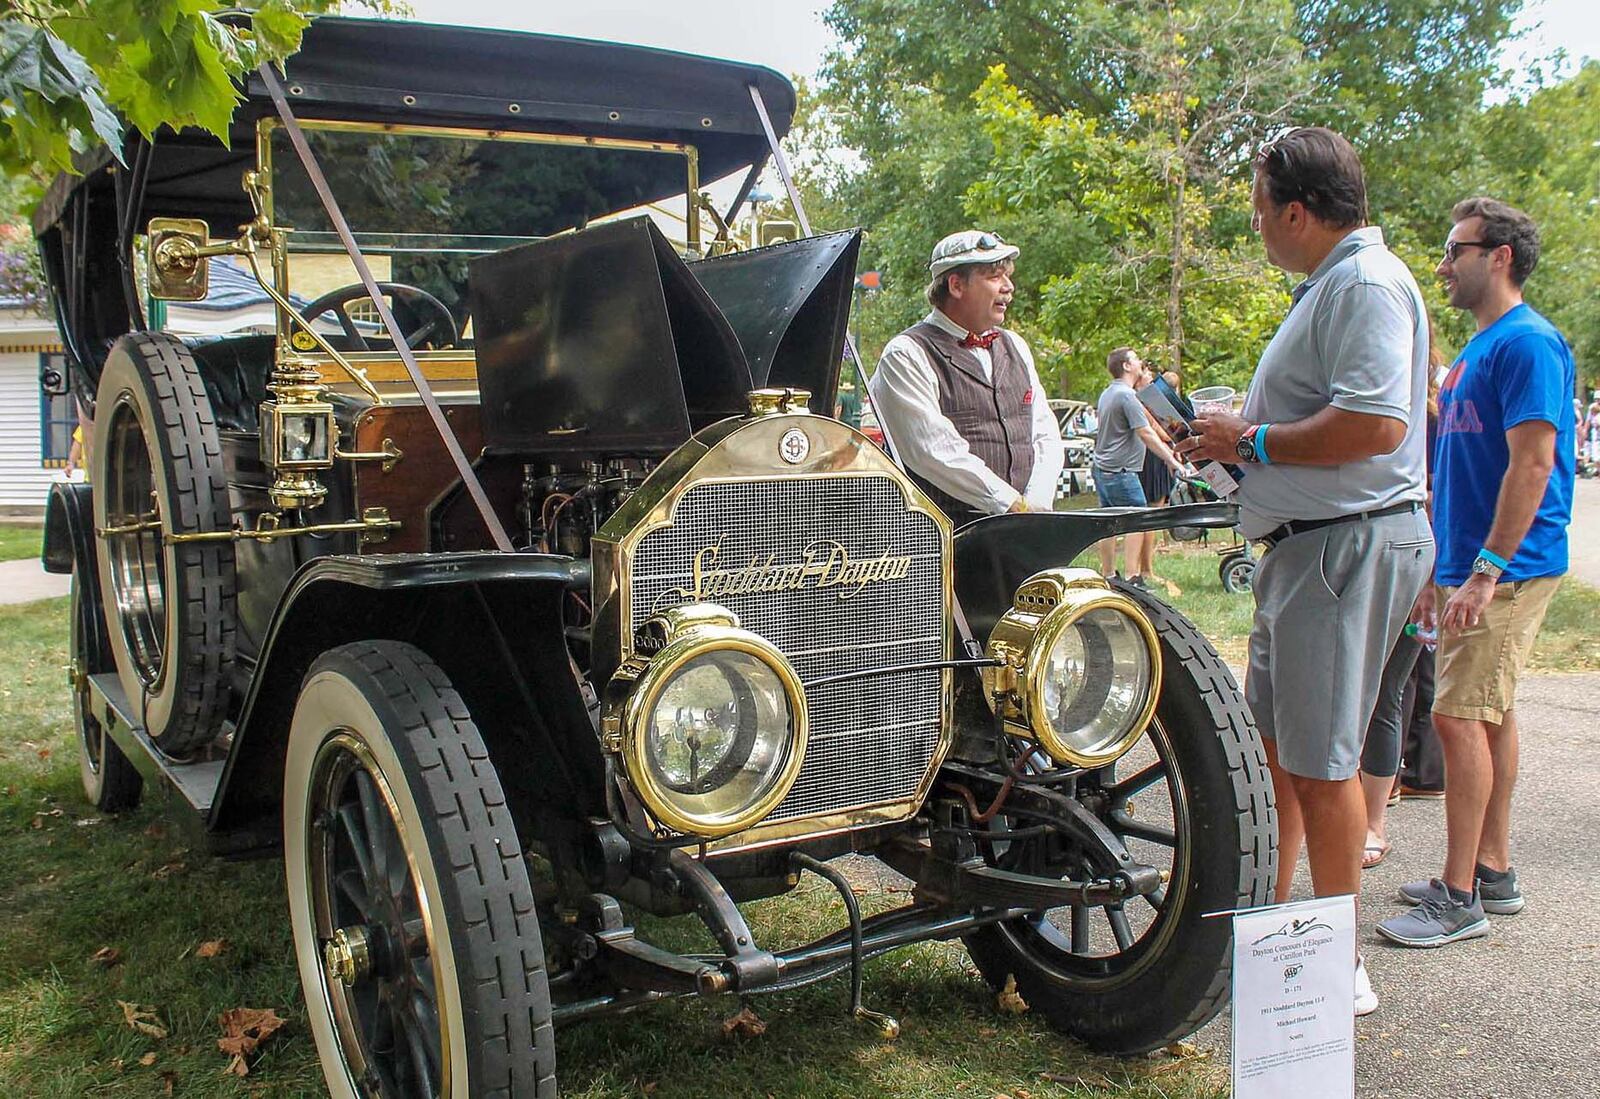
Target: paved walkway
1584,536
1512,1015
1515,1014
25,581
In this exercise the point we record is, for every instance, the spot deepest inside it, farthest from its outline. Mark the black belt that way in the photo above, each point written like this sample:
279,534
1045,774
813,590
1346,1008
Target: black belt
1301,526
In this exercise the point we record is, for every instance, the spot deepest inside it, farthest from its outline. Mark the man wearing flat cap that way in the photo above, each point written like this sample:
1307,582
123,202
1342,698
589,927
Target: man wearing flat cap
958,396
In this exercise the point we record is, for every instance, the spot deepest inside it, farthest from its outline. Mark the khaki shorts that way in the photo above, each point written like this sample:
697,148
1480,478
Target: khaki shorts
1477,669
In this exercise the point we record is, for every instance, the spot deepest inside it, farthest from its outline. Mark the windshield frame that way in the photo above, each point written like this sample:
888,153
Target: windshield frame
266,127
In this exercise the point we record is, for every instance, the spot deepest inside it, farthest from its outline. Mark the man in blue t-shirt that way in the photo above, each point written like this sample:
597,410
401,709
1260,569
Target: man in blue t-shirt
1502,501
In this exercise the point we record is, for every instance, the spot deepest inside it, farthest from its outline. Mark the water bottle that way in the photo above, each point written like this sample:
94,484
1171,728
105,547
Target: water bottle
1429,638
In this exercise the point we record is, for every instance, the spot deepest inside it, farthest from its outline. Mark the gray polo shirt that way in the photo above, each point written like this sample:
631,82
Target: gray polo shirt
1356,337
1117,446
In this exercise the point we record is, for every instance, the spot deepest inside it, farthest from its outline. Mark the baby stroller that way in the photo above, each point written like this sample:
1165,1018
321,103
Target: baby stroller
1237,567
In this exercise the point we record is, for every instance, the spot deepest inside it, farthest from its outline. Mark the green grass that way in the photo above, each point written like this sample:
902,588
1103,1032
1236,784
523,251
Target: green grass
18,542
77,881
1566,641
73,881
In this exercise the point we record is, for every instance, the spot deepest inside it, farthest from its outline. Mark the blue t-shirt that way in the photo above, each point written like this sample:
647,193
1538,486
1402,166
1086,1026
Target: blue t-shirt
1518,369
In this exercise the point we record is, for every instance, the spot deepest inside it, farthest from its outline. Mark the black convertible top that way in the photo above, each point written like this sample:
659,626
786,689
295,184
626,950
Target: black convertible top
394,71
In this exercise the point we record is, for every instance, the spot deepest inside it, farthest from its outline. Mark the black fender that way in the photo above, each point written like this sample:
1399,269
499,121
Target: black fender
69,543
491,621
69,529
995,554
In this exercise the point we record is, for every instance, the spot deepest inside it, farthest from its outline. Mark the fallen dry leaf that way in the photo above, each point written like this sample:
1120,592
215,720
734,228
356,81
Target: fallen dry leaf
168,1079
243,1029
11,789
1010,1000
156,831
161,873
142,1019
745,1024
211,948
37,822
147,1060
1182,1049
45,753
106,956
116,1063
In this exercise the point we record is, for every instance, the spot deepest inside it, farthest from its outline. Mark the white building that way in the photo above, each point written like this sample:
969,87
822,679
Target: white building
35,431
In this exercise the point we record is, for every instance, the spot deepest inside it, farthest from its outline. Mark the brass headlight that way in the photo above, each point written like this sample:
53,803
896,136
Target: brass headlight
1083,667
712,727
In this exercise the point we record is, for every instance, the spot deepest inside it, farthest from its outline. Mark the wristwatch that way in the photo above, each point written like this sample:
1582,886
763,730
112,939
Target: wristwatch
1245,448
1483,566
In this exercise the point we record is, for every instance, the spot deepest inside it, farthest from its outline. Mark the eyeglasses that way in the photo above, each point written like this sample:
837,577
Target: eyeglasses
990,240
1452,248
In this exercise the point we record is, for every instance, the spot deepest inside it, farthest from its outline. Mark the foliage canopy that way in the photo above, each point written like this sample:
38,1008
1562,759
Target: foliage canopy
1113,140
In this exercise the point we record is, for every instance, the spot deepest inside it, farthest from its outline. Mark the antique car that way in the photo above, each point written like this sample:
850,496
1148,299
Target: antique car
507,587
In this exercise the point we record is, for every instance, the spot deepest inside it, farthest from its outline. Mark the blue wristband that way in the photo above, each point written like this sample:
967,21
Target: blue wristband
1261,445
1494,559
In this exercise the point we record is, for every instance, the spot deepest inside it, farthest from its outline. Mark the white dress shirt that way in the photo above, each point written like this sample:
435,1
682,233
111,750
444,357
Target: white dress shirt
905,392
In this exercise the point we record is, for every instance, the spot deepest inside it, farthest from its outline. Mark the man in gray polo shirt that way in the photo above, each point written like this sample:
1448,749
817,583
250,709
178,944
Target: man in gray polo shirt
1332,434
1119,449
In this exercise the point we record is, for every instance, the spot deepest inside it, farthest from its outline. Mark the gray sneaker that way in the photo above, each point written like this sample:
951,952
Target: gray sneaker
1416,892
1501,898
1437,920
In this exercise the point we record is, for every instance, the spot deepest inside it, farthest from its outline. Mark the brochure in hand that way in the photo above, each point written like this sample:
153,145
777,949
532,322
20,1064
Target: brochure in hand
1174,413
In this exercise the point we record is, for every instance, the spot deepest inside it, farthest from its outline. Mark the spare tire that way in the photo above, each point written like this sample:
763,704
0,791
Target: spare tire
170,608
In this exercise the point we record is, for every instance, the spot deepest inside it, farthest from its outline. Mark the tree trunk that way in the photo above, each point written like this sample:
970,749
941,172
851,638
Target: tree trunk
1178,178
1175,289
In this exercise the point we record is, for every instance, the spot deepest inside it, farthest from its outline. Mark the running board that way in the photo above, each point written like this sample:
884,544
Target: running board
197,782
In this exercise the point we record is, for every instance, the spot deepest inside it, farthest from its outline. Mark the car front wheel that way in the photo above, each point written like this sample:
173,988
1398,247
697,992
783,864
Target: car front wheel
414,925
1192,798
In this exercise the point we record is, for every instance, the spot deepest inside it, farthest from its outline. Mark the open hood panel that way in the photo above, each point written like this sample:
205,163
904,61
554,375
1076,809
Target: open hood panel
605,341
789,305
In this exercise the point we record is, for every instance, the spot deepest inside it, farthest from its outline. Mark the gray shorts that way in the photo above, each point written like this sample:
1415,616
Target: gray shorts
1330,604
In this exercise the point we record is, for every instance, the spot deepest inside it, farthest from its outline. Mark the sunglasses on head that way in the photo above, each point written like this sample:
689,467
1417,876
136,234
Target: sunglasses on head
990,240
1270,145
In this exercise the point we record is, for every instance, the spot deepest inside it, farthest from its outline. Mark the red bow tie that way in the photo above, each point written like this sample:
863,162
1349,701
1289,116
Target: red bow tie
973,339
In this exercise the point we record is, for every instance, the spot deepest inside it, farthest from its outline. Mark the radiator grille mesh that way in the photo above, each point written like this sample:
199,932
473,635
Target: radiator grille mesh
871,739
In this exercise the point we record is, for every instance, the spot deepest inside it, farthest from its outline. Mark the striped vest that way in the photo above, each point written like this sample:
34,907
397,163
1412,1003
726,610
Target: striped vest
994,417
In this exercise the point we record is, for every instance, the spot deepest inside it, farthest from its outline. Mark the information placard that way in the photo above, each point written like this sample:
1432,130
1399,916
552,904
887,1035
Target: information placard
1294,1000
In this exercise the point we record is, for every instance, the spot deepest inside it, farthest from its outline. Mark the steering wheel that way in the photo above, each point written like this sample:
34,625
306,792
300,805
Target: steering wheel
423,318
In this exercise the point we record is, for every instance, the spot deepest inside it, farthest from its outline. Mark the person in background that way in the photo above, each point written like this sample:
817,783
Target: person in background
1502,502
1400,687
1331,437
82,439
958,395
1591,432
1126,432
849,405
1156,480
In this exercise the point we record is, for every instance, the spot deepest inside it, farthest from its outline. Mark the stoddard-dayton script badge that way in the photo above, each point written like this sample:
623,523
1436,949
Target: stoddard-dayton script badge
824,564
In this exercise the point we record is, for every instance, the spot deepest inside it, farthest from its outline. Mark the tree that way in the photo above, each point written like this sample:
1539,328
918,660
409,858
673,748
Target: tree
1540,153
73,72
1179,95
